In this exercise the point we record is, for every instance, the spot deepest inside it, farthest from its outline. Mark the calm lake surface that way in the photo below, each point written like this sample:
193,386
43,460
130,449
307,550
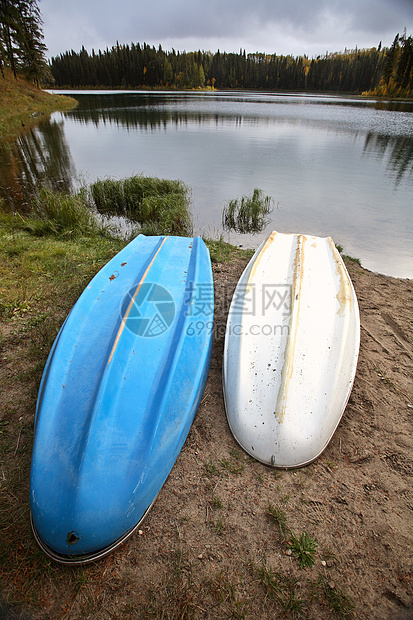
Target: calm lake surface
334,166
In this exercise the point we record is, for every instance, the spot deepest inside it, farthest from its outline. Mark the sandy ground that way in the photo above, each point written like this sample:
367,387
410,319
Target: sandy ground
208,545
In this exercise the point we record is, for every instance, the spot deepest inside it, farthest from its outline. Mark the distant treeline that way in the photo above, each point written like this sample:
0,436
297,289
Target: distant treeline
143,66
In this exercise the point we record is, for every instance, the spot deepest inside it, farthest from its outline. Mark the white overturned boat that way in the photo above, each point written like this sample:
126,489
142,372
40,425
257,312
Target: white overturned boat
291,349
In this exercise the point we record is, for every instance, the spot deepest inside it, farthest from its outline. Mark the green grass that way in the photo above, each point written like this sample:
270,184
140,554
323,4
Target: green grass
126,195
221,251
212,469
303,549
22,105
282,588
352,259
332,596
248,214
61,214
346,256
278,516
35,265
159,206
231,465
219,526
216,501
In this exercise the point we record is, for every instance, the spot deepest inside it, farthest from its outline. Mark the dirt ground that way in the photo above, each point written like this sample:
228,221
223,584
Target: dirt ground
209,549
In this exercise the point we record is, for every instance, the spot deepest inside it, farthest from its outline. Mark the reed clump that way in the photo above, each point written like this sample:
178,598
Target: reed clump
62,214
248,214
159,206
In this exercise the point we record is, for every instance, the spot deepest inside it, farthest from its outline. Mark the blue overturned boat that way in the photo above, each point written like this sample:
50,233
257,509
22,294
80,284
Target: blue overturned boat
119,393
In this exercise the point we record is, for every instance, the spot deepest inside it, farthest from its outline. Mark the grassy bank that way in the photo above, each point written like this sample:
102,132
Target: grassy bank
22,104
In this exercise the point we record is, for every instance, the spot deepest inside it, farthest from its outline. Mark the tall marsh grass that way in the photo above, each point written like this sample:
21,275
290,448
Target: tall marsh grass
62,214
155,206
159,206
166,214
248,215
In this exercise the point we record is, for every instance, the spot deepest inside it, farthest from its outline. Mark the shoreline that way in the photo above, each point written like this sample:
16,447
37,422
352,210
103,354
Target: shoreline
313,93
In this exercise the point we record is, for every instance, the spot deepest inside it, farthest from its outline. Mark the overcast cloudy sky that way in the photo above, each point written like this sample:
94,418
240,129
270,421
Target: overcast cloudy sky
294,27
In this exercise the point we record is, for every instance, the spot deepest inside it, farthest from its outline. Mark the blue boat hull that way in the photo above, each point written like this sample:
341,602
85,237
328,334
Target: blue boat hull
119,393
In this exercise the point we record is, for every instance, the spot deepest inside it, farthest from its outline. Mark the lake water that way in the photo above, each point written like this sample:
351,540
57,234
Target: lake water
334,166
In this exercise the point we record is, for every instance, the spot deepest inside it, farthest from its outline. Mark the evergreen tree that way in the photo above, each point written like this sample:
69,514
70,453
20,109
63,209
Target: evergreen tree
391,60
33,49
168,74
21,39
201,76
9,30
404,74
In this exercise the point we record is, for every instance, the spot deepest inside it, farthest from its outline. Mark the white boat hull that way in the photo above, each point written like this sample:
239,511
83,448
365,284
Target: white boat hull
291,350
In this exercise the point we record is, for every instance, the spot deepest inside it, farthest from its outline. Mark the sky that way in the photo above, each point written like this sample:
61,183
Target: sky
296,27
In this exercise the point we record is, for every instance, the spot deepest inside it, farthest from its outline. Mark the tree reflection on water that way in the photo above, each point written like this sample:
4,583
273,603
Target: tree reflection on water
40,157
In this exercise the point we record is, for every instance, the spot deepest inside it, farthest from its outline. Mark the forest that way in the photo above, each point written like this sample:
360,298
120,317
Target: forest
142,66
379,71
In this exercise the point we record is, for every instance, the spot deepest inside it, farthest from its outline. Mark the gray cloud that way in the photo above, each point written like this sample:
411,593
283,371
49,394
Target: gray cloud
297,26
